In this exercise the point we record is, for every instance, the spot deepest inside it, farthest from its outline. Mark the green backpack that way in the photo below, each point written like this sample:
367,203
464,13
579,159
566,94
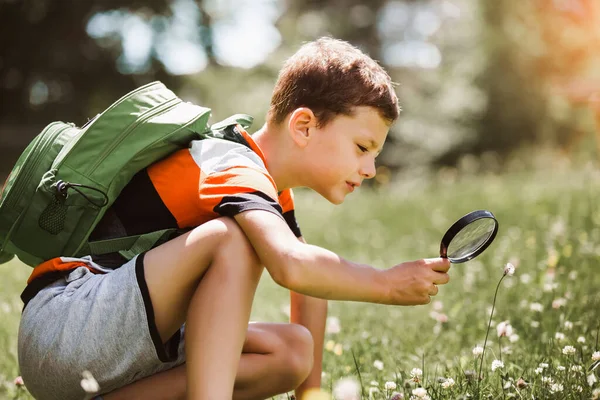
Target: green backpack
66,179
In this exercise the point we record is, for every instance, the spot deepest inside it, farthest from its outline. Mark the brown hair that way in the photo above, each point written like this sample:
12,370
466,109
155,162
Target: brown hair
331,77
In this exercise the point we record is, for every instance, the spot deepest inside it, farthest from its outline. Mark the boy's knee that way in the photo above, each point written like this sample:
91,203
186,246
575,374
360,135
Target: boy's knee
300,349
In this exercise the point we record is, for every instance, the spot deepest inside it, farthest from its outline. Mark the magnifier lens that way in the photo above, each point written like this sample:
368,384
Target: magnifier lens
471,238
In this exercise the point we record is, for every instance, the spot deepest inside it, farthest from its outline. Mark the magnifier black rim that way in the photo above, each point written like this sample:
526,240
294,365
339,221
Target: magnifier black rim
459,225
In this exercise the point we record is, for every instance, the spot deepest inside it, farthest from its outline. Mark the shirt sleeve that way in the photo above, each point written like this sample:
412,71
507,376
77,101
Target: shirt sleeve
286,200
238,189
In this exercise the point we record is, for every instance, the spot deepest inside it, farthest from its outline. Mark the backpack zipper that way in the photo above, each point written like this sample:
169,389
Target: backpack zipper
37,153
146,116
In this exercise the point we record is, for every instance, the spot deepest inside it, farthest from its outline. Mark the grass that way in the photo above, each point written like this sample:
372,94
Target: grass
549,229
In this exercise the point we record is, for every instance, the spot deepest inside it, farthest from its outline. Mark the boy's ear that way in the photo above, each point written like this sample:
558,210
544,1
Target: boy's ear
300,125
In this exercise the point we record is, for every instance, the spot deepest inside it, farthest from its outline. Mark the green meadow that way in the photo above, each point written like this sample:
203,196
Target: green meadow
548,312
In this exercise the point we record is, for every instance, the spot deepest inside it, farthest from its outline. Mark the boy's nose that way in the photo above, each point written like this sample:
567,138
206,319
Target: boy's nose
368,170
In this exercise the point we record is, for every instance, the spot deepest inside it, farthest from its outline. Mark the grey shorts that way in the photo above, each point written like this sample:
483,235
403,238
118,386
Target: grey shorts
101,323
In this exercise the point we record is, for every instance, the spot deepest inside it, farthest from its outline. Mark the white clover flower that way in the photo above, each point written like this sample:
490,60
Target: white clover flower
559,336
591,379
496,364
538,370
509,269
448,383
556,388
89,383
543,365
580,339
576,368
378,364
560,368
420,392
416,374
573,275
568,350
504,329
372,391
513,338
477,351
438,305
568,325
547,380
536,307
596,356
595,393
374,383
578,388
559,302
535,324
333,325
390,385
346,389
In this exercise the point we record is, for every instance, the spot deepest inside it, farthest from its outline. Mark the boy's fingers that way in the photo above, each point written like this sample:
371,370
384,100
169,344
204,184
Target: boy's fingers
441,278
438,264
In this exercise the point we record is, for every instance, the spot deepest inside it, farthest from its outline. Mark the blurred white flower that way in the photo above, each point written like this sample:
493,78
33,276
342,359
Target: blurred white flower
579,388
390,385
568,350
477,351
374,383
596,356
580,339
504,329
448,383
438,305
591,379
496,364
378,364
576,368
535,324
559,336
416,374
526,278
547,380
333,325
573,275
568,325
543,365
559,302
346,389
420,392
513,338
372,391
509,269
556,388
538,370
560,368
536,307
89,383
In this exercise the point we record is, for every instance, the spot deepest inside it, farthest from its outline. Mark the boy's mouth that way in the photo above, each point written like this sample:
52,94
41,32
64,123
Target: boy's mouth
352,186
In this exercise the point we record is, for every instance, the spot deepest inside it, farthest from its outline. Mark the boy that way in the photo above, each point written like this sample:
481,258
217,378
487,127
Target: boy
125,322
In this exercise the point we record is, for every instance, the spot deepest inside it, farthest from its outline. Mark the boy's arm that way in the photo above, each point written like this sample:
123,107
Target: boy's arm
310,312
317,272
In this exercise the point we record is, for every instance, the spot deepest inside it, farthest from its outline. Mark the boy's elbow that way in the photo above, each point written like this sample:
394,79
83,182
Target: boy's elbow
286,271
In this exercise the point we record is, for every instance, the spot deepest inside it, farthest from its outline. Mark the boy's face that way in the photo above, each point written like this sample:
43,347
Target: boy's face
343,152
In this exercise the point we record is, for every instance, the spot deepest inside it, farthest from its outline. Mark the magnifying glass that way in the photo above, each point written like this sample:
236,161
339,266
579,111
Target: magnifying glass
469,236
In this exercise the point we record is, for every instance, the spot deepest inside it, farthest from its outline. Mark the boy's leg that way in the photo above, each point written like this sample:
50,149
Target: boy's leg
276,358
206,278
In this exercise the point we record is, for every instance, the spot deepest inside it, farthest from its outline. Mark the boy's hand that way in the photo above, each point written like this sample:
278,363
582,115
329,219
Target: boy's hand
414,282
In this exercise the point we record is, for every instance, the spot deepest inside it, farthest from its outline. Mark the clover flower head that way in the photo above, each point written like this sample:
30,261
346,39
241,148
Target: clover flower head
556,388
509,269
378,364
390,385
477,351
448,383
568,350
596,356
497,364
416,374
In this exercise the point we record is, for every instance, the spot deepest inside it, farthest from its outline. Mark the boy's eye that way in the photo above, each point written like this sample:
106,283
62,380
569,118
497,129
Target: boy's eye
363,149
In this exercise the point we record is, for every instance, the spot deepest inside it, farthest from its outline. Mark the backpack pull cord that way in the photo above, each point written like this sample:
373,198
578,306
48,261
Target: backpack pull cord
62,188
